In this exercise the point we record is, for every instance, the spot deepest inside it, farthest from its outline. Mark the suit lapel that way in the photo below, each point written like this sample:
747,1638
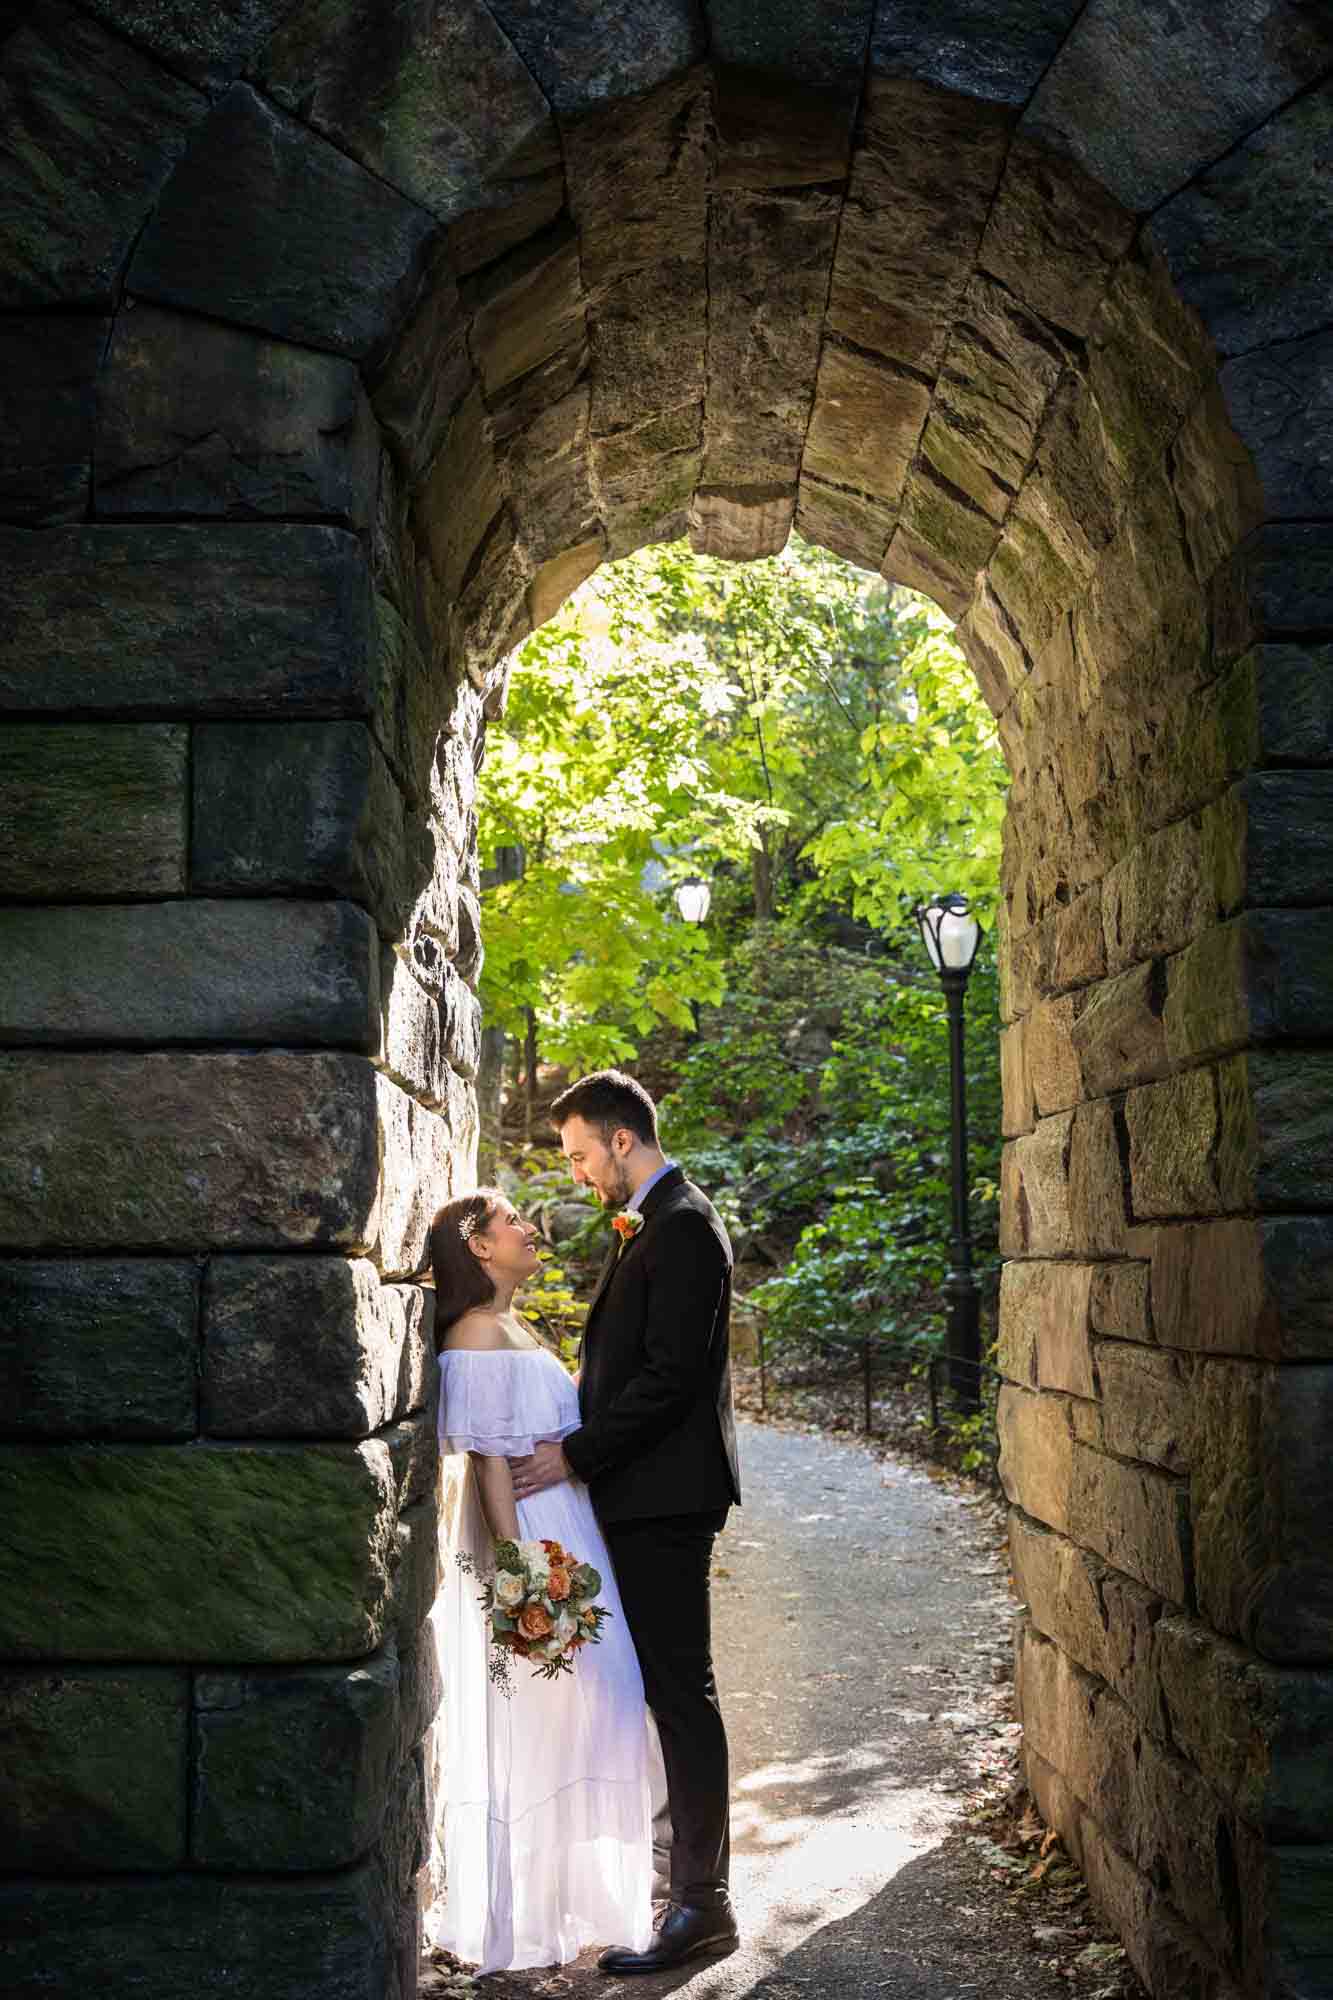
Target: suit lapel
652,1202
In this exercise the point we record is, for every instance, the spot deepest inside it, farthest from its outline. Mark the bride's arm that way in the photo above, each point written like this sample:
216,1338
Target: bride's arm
495,1485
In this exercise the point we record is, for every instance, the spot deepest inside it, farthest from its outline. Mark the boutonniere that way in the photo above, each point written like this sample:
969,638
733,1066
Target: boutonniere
627,1225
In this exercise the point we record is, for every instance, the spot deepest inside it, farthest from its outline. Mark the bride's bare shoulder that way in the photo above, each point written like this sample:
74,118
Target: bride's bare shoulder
478,1331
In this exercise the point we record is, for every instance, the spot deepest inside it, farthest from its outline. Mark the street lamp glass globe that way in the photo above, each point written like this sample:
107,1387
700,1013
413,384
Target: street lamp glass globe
950,932
692,900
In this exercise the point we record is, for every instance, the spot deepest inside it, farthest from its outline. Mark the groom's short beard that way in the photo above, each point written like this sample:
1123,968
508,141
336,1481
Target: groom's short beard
618,1189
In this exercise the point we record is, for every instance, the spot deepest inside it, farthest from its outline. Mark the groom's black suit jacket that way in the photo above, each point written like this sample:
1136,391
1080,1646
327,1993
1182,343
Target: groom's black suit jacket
658,1436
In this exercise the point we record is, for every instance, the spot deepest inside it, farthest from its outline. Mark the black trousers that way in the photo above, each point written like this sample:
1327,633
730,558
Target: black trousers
662,1568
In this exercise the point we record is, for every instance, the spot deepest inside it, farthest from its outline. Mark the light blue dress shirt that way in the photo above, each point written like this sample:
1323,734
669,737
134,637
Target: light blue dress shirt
636,1199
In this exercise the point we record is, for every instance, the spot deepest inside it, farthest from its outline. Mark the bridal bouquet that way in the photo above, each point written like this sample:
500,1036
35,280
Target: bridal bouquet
540,1606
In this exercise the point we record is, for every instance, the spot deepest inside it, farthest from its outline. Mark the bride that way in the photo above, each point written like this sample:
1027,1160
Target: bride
546,1827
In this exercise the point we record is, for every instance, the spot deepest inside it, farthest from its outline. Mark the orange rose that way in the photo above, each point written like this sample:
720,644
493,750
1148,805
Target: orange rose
557,1585
533,1622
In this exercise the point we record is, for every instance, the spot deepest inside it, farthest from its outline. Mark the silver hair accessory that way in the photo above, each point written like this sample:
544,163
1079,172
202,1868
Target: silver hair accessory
467,1228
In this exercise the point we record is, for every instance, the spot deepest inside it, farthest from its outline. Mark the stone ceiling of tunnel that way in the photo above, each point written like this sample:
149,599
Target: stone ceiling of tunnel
882,270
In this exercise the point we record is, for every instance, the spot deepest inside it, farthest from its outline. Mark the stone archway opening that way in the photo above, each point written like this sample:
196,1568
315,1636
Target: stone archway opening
338,365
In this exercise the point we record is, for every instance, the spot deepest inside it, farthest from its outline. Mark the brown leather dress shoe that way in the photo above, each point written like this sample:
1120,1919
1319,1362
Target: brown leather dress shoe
682,1933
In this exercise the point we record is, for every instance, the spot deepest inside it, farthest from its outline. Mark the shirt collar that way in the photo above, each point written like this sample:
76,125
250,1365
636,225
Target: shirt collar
636,1199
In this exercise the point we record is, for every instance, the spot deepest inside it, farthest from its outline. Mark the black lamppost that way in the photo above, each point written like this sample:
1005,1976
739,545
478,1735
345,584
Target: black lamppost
951,935
693,899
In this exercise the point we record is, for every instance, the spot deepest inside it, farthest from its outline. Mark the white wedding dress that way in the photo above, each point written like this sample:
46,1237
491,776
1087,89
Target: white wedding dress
544,1828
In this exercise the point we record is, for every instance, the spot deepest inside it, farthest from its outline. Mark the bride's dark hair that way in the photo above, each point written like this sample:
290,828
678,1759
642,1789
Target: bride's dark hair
460,1279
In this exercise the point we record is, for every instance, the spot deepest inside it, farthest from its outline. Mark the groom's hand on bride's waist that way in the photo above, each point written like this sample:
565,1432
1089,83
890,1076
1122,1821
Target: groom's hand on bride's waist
547,1466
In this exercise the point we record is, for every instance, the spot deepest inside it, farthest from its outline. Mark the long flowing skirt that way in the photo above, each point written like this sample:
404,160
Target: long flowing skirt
543,1833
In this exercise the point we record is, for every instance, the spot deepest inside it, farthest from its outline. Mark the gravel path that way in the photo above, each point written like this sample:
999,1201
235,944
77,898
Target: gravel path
862,1632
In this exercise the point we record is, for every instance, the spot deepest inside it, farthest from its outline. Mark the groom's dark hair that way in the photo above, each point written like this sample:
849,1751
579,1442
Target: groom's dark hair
608,1100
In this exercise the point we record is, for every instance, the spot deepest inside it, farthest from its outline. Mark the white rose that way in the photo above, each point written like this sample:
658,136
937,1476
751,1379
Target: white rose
509,1590
566,1625
535,1560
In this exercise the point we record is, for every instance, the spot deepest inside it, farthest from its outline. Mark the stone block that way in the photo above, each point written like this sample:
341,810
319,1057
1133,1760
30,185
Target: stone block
1280,1118
1240,240
1260,1479
413,1447
48,366
427,1156
194,971
1217,488
416,1579
1120,1302
293,807
1015,1081
1178,1836
1165,892
292,1769
1136,1518
865,424
525,309
1216,1290
1167,1956
209,1936
411,1038
995,652
1054,237
1287,834
1263,977
440,107
1051,1049
1262,1736
1299,1892
427,374
1097,1208
769,257
93,809
266,224
104,1347
97,1768
203,419
1145,1394
235,620
560,577
1119,1036
582,60
1280,400
923,174
638,181
1219,77
852,525
917,564
185,1152
94,130
546,463
311,1347
775,131
1173,1131
1036,1454
1277,584
1280,703
1082,1729
1044,1322
222,1553
207,40
460,1027
972,46
1104,1621
1040,1162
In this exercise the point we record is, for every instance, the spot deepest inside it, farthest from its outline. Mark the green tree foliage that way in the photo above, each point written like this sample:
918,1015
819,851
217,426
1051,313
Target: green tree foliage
793,729
815,1110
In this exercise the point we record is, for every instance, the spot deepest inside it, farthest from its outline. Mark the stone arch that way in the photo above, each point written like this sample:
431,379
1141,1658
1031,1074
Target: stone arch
335,358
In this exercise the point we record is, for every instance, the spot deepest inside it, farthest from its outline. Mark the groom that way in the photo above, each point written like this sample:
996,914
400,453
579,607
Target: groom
657,1448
